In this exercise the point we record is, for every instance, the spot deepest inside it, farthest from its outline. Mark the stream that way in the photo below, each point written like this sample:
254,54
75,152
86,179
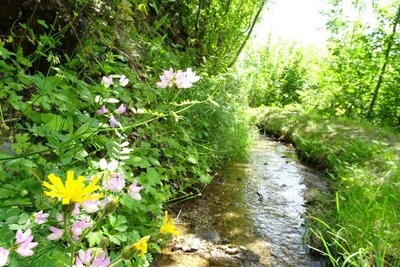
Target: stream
252,215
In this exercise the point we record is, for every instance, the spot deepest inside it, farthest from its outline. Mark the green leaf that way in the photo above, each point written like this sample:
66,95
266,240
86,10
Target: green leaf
4,53
55,122
192,159
8,190
154,161
118,223
152,177
43,23
112,219
94,238
117,238
23,218
138,162
17,164
160,22
205,179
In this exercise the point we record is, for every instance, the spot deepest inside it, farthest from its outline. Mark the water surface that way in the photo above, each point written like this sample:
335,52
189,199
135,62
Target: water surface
258,205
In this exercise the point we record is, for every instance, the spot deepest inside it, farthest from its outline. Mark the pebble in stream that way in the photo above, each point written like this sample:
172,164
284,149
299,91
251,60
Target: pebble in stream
252,216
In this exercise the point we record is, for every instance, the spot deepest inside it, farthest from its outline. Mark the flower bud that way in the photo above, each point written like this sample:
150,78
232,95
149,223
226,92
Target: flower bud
110,207
104,243
23,193
128,252
67,209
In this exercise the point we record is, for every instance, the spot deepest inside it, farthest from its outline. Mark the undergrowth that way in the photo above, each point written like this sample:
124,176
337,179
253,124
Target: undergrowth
131,105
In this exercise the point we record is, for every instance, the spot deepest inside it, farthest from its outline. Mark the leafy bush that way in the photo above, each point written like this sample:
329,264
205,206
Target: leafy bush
101,111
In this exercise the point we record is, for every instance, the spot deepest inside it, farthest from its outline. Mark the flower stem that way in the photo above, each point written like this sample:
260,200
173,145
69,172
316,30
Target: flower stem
85,233
69,238
115,261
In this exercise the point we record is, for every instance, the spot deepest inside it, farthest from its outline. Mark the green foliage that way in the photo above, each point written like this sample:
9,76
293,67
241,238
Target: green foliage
357,75
171,141
359,226
360,56
275,75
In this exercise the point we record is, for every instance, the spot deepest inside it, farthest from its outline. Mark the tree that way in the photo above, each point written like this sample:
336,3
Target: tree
390,42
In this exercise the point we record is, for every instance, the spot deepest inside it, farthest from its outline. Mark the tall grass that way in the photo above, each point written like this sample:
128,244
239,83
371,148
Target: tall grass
359,225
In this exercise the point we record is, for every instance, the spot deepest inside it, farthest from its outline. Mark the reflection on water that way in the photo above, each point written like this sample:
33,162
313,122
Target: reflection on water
276,198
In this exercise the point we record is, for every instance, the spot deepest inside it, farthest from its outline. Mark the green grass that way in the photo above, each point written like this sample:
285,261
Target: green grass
359,224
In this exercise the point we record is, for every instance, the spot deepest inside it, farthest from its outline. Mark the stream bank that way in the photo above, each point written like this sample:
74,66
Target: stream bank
252,215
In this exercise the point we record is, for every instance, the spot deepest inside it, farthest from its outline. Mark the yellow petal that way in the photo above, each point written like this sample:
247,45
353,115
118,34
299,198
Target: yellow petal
56,181
73,190
46,184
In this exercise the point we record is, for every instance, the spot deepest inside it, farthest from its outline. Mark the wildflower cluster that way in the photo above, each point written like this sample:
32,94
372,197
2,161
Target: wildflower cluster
180,78
107,81
86,258
81,204
23,245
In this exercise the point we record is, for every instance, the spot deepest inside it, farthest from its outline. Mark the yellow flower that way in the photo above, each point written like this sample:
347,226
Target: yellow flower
73,191
167,226
141,245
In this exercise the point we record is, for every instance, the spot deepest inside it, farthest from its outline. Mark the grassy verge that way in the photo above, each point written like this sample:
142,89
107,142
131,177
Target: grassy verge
359,225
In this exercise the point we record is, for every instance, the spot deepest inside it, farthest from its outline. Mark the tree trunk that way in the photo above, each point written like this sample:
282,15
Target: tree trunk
248,34
385,63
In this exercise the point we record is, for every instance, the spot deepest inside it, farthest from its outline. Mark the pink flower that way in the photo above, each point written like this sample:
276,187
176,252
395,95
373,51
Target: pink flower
121,109
191,76
181,80
102,110
25,249
107,81
3,256
164,82
56,233
115,184
166,78
83,258
59,217
134,190
123,81
78,263
105,201
41,217
24,242
79,226
76,210
101,261
169,74
21,237
113,121
91,206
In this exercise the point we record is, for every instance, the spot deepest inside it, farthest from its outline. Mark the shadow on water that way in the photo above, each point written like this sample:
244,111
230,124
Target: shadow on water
258,205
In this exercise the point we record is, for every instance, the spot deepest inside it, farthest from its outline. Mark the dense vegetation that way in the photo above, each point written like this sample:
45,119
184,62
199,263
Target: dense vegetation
358,75
87,90
340,107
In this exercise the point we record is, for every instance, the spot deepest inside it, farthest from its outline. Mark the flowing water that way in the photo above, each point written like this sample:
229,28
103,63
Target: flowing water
258,205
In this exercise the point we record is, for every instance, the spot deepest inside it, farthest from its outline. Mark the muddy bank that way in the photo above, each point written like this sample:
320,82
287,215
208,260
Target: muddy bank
252,215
